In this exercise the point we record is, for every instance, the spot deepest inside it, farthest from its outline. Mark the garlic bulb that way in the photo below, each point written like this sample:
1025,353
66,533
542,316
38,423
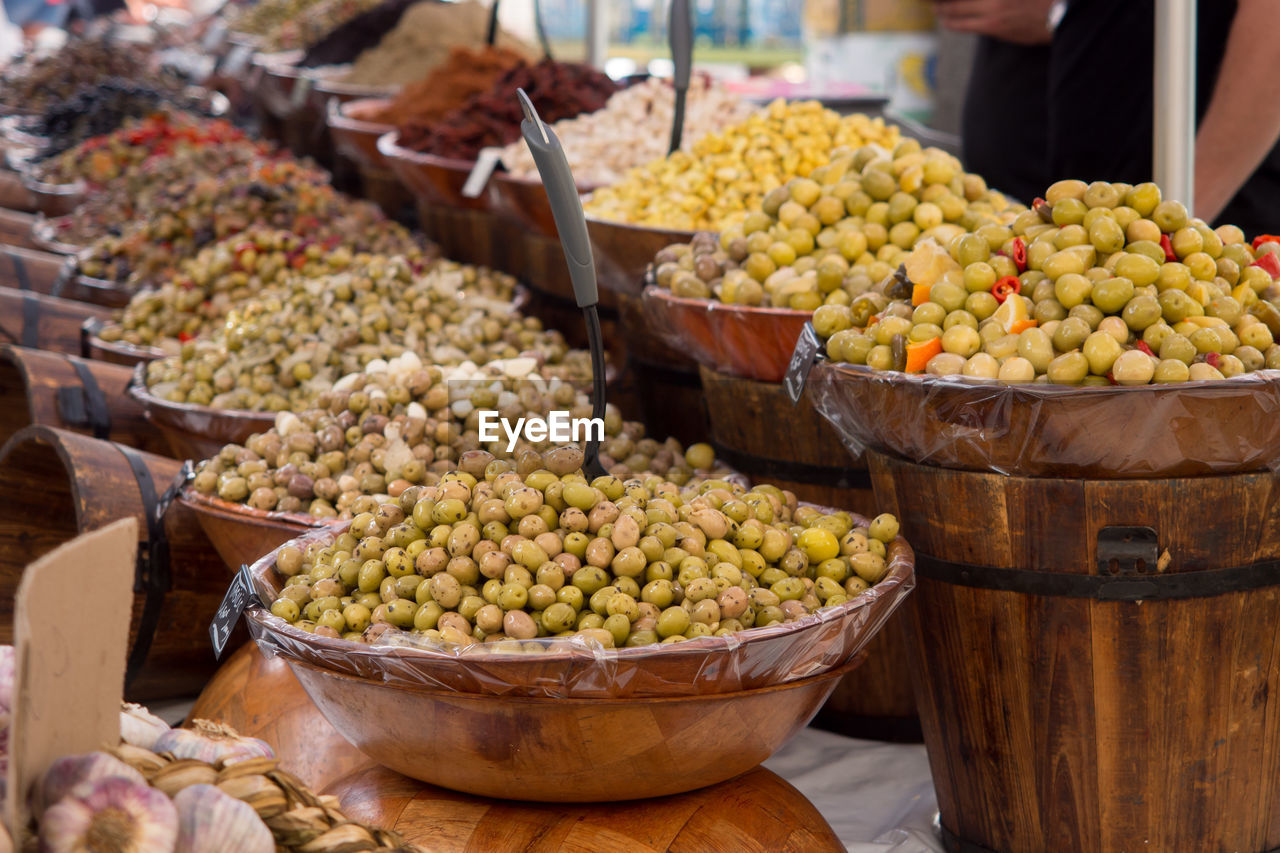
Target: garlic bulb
211,742
209,821
71,772
140,727
112,814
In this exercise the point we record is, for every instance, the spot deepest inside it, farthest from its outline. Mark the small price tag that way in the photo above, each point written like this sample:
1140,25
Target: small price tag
485,164
237,60
299,95
240,596
802,358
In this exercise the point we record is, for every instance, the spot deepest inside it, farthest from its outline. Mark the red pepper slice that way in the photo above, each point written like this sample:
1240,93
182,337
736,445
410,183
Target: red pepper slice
1264,238
1142,345
1111,377
1269,262
1167,245
1212,359
1005,287
185,336
1020,254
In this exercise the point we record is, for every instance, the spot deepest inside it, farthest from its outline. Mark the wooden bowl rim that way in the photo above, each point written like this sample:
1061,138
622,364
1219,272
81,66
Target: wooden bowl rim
144,354
138,390
572,701
713,306
35,185
389,146
330,84
214,505
42,237
339,116
676,235
282,64
1246,382
901,561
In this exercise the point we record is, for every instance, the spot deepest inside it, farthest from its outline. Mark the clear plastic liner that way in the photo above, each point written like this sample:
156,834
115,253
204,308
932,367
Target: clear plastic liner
556,667
749,341
1188,429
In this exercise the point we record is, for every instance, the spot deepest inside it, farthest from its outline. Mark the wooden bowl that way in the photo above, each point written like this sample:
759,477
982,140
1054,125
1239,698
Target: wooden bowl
565,750
1148,431
97,291
332,86
278,77
54,199
197,432
757,811
525,200
260,697
242,534
44,236
354,135
117,352
434,180
760,657
623,252
748,341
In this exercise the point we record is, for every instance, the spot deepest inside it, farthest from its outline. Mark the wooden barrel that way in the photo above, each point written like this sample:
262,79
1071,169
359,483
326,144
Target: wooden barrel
36,321
757,812
15,228
82,395
1098,660
13,193
466,235
667,381
56,484
757,430
259,697
28,268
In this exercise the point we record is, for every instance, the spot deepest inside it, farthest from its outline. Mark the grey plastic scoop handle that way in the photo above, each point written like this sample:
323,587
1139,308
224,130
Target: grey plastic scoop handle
566,206
681,32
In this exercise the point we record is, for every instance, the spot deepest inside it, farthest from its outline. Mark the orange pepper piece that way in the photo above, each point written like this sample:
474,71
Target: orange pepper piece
1022,326
918,354
920,293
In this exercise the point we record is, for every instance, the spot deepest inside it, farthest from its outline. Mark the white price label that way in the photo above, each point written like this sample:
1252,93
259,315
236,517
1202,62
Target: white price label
479,178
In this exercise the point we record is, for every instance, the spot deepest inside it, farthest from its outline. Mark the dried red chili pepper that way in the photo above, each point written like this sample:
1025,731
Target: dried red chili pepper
1020,254
1167,245
1212,359
1142,345
1006,287
1264,238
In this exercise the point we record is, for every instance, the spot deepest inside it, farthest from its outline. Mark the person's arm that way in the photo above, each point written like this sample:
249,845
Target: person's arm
1017,21
1242,122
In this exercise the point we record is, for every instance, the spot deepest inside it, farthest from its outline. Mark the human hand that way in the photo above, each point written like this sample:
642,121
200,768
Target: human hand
1016,21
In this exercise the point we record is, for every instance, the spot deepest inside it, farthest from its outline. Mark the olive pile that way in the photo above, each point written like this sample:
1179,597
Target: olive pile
264,17
195,302
313,24
1098,284
36,81
280,349
725,175
183,217
115,155
404,424
501,551
829,237
113,205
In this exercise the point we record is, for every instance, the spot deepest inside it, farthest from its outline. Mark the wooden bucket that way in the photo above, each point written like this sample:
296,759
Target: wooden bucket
467,235
85,396
757,430
56,484
1098,660
758,811
259,697
36,321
